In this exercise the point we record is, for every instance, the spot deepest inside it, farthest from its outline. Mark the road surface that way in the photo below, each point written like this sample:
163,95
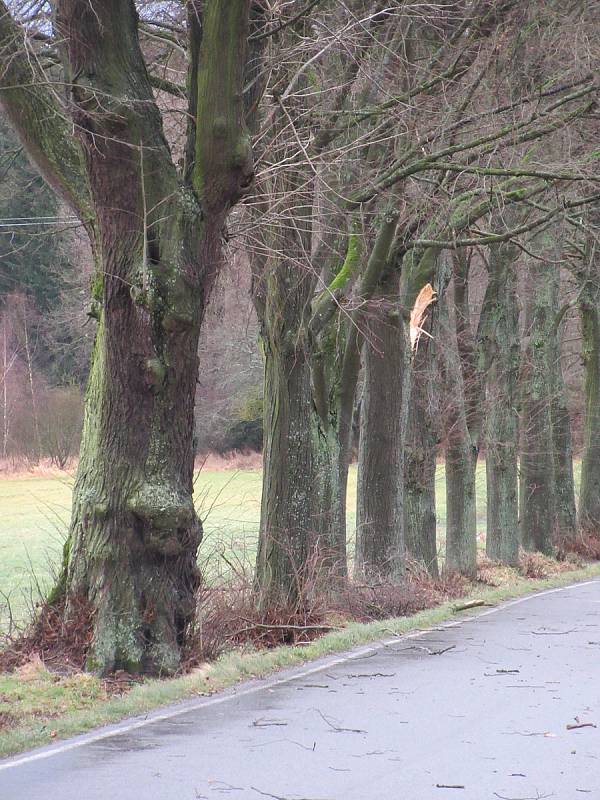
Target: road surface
473,711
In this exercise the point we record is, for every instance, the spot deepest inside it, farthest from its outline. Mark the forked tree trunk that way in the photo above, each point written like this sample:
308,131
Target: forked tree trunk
537,485
502,540
380,516
336,366
589,496
131,552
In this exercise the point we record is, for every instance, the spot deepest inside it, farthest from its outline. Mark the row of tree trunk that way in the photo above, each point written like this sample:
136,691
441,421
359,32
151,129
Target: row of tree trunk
497,386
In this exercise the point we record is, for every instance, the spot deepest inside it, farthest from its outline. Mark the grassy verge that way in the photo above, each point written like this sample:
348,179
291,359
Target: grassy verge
38,707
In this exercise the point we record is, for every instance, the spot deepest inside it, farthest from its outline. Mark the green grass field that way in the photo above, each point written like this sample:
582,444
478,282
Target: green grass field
34,517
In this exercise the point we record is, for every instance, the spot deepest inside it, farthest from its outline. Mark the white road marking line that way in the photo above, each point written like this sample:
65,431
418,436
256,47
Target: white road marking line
191,706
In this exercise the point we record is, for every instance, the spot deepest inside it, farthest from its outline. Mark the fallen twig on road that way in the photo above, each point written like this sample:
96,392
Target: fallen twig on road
336,728
572,727
470,604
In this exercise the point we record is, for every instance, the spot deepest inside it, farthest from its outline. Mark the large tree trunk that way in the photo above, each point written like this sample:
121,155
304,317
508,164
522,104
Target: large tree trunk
537,486
134,532
589,496
420,450
502,540
379,517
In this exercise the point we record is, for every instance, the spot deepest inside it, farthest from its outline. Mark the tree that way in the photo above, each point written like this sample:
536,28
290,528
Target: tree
536,490
363,163
156,233
420,450
589,309
501,432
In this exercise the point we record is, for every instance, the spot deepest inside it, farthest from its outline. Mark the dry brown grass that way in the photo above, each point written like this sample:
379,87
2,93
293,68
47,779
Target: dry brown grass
236,460
23,467
7,720
534,566
492,573
537,565
229,616
586,545
58,644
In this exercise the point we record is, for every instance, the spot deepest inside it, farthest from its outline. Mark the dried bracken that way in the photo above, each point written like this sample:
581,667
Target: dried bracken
60,642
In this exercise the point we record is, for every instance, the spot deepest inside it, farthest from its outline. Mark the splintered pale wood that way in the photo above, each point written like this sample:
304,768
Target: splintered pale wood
425,298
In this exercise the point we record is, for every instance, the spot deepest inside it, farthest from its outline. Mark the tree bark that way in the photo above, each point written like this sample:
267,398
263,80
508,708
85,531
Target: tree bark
589,495
462,416
420,519
565,513
290,523
131,551
380,516
461,520
537,484
502,540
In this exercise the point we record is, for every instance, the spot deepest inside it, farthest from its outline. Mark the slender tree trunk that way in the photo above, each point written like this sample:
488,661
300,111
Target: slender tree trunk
333,466
290,525
589,496
34,409
502,540
461,446
420,459
461,520
537,484
565,514
333,401
5,371
380,515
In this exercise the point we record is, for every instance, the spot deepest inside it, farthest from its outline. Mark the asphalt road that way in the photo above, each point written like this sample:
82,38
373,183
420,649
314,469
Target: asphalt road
473,711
